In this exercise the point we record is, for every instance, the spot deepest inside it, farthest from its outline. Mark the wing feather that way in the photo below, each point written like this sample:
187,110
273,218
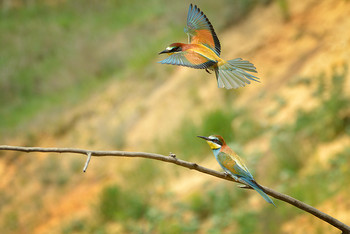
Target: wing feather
200,30
232,162
188,59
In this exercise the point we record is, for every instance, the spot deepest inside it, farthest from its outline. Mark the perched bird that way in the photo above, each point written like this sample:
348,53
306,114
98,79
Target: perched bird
203,52
233,164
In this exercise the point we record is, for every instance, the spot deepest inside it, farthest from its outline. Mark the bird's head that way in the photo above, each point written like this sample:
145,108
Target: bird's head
214,141
173,48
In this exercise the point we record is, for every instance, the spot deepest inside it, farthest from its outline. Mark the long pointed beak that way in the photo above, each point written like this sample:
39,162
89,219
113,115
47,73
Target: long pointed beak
205,138
163,52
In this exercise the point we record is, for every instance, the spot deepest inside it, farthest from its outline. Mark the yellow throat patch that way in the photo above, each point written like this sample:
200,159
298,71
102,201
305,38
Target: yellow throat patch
213,145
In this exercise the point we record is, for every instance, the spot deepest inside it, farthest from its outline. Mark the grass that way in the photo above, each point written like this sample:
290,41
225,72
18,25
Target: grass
116,204
45,59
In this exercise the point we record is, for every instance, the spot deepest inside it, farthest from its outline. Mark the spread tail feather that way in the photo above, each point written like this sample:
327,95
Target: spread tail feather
234,74
257,188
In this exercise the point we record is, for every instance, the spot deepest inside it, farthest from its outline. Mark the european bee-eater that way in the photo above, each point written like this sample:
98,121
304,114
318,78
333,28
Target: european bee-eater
233,164
203,52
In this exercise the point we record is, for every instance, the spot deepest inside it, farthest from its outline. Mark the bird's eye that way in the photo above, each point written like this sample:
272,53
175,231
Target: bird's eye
175,49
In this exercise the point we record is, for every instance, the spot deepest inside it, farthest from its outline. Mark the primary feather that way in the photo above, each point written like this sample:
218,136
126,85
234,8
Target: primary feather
200,30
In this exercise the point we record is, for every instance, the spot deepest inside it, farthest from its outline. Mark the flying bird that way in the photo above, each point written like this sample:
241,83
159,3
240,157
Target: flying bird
203,52
233,164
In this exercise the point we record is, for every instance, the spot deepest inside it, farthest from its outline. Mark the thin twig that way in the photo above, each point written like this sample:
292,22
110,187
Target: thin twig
193,166
87,161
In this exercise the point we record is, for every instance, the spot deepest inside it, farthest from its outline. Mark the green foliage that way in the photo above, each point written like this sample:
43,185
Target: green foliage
38,85
248,221
148,172
327,121
281,102
216,201
240,9
184,139
11,221
175,225
75,226
222,207
218,122
52,173
284,7
291,143
321,184
321,86
75,166
57,54
83,225
290,151
246,127
340,165
198,204
116,204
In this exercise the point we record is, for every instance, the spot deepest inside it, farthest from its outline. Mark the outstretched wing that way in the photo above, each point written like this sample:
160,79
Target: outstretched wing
188,59
200,30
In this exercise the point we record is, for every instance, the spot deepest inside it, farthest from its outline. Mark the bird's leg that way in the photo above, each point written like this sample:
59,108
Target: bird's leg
227,174
207,71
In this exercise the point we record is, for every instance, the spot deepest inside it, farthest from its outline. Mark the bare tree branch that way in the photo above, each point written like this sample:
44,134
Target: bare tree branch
193,166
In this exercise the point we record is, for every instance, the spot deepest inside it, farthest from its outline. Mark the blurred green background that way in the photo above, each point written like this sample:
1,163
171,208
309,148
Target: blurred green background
83,74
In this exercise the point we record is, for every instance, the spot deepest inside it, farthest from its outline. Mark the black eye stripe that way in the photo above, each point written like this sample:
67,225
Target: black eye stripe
217,141
176,49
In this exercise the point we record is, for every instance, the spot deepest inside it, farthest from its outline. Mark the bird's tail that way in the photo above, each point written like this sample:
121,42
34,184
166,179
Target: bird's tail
234,73
257,188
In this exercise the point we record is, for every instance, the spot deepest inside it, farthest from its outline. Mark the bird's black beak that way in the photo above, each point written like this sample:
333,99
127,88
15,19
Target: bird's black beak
205,138
163,52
